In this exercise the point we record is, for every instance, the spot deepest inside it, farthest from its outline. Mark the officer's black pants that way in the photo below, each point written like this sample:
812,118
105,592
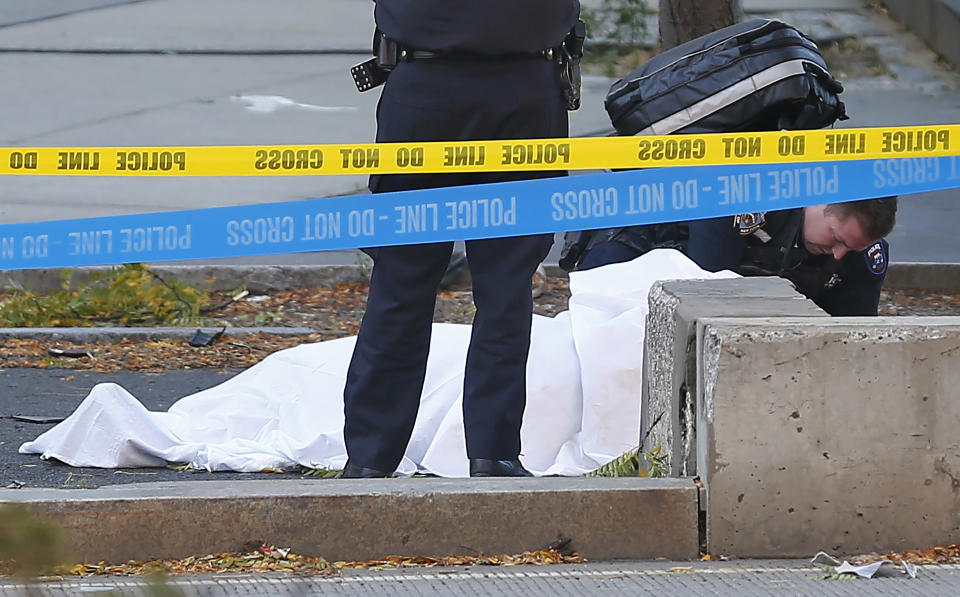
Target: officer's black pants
607,252
436,101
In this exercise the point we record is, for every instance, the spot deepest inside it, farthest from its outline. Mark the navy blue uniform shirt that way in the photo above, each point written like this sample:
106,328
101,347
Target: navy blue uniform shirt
491,27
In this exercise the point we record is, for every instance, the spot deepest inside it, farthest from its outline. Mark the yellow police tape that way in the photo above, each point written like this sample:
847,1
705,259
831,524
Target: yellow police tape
583,153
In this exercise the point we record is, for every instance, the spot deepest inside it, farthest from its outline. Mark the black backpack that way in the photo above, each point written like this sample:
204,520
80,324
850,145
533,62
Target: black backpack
760,75
757,75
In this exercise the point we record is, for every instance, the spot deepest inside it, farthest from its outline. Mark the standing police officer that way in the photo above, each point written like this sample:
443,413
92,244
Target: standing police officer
459,70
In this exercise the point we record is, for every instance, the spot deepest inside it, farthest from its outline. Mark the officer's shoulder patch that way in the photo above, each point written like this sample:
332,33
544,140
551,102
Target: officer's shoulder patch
876,258
747,224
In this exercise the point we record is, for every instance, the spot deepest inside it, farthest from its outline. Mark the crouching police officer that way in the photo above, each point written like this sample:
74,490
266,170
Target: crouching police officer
834,254
458,71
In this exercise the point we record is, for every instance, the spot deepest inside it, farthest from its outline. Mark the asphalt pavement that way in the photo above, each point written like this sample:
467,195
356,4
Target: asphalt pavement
33,400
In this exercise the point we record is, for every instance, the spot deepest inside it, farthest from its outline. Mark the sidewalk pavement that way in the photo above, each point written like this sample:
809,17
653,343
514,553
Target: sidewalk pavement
738,578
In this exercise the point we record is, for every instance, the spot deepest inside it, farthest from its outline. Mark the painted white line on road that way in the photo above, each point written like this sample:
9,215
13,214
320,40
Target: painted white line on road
272,103
478,575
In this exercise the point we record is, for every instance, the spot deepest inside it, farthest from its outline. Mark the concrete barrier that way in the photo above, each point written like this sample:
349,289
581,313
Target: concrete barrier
667,404
833,434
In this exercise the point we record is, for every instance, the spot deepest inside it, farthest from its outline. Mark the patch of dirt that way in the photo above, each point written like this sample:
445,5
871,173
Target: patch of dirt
335,312
918,302
851,59
331,313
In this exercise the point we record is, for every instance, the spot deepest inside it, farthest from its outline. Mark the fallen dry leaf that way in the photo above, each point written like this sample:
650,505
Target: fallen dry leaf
267,558
940,554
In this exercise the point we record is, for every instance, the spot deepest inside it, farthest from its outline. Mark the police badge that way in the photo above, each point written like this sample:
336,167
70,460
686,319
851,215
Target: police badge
747,224
876,258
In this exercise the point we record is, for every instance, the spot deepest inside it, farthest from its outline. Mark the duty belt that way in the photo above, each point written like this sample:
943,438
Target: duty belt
387,53
411,55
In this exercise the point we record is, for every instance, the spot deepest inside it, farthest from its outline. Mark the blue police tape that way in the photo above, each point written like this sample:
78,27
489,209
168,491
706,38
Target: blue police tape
470,212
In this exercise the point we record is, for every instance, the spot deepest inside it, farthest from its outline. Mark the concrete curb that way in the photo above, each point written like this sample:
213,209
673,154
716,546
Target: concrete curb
924,276
360,519
936,22
82,335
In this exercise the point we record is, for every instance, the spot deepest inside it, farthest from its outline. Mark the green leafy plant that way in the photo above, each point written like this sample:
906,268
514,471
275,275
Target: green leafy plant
616,35
129,294
621,22
323,473
634,463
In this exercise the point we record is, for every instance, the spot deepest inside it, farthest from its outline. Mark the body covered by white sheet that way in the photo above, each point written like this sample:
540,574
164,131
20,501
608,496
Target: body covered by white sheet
583,406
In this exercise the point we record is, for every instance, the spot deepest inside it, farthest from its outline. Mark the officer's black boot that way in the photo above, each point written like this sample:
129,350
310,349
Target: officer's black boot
482,467
352,471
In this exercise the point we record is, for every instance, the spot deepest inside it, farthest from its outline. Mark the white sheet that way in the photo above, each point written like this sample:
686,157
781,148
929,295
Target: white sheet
583,406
